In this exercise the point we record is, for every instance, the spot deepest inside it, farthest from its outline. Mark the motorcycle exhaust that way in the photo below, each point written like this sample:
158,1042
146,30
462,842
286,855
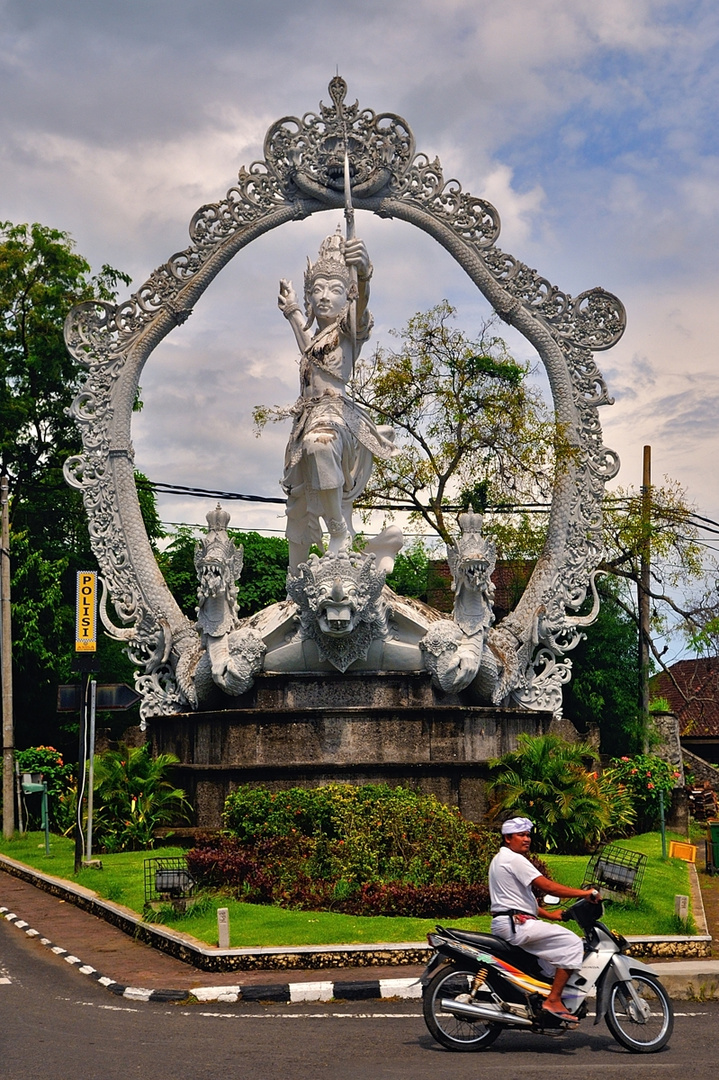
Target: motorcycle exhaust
483,1012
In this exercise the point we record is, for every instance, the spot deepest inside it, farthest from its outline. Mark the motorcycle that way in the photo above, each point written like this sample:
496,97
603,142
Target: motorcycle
477,985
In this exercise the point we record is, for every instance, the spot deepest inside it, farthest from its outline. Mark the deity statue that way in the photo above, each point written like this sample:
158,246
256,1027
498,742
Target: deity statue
333,441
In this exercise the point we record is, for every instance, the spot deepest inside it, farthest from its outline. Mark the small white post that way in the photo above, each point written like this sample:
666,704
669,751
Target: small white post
681,907
223,928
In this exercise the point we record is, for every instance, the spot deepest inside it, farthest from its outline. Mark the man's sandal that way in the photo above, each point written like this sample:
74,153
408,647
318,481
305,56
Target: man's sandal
561,1014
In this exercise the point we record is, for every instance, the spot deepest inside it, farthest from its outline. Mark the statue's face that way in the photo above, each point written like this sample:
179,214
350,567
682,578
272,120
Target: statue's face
337,608
328,298
476,572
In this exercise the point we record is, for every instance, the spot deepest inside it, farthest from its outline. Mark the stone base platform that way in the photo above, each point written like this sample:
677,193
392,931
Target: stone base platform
360,727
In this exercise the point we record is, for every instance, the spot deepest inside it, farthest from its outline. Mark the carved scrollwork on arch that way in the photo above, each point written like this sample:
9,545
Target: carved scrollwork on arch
301,174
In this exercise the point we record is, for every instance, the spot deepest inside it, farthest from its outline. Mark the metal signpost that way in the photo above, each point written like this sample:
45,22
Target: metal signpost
85,661
8,732
33,783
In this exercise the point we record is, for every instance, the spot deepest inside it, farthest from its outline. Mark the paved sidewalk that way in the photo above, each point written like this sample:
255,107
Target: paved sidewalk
135,970
117,958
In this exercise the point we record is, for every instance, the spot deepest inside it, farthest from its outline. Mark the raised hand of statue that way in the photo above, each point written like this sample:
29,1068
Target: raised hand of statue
356,255
289,305
287,300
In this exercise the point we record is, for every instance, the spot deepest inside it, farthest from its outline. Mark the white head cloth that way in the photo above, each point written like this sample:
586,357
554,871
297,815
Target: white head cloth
517,824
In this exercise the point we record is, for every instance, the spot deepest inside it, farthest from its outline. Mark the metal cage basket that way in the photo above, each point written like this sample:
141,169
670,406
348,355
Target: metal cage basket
617,872
167,878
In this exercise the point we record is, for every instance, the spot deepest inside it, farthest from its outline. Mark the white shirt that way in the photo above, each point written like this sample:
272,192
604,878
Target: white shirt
510,879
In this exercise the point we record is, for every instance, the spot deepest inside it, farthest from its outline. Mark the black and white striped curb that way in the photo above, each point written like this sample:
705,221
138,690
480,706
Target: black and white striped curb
350,990
134,992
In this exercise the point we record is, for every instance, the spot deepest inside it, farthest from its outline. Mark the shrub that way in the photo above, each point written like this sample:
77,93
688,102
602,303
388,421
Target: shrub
60,785
547,779
366,833
361,850
133,797
643,776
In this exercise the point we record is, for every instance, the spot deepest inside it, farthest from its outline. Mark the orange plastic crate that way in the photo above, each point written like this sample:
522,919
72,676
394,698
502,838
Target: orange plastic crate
677,850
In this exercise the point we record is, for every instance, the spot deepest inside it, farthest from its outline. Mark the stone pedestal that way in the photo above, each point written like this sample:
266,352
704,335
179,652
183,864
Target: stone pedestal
307,730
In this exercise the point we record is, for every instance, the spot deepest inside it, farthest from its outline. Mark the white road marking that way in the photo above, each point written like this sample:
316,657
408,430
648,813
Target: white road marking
305,1016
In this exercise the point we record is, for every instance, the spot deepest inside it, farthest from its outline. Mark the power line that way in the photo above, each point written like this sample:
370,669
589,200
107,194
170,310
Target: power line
495,508
203,493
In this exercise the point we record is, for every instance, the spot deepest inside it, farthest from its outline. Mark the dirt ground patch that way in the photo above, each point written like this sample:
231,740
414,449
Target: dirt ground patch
709,885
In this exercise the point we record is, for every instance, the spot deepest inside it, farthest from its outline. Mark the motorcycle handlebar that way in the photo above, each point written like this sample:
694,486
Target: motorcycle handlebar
585,912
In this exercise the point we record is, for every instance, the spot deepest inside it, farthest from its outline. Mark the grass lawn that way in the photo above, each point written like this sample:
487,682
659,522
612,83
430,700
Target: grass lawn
654,913
121,880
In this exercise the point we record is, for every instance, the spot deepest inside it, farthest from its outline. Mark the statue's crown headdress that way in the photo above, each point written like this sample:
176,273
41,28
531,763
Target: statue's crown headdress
217,547
330,262
471,546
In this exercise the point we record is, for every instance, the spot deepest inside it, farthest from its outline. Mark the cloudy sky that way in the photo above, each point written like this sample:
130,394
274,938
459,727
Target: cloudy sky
591,126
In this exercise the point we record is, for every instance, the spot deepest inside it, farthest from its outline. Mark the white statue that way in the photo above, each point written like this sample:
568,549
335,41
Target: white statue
329,455
457,653
230,655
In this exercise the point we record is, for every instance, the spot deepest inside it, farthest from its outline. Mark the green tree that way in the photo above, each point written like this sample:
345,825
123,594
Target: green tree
41,278
676,554
469,428
604,687
411,575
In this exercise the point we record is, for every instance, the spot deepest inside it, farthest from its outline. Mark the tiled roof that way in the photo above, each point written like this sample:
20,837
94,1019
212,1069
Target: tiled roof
696,702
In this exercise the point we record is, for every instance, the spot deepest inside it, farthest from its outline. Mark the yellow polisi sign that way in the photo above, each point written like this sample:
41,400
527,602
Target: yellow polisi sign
86,612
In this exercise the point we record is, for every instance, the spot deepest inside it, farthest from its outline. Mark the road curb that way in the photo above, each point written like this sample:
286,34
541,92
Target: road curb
197,954
284,993
86,969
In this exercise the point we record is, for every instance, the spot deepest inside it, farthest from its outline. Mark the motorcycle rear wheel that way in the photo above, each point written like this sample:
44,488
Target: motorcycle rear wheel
455,1032
645,1030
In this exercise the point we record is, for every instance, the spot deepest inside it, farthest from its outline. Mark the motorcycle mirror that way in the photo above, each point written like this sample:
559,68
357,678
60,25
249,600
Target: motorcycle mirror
549,899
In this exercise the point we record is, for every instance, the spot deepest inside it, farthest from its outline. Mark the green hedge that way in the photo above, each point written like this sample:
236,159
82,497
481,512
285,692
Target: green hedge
363,850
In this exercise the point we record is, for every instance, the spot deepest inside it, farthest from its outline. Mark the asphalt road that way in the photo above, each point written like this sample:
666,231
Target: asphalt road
59,1025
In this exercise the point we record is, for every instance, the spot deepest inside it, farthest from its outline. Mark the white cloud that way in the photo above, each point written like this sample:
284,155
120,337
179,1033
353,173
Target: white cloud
590,126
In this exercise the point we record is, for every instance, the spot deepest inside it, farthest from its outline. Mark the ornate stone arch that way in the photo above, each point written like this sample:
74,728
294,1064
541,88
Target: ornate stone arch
302,174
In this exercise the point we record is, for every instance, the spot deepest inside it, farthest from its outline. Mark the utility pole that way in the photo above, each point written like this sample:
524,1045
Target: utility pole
8,729
644,598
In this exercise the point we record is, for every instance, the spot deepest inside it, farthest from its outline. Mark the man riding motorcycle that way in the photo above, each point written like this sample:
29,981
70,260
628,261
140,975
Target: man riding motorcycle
515,912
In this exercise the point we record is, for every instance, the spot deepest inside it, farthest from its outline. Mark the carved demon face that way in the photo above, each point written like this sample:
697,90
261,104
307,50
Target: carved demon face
475,571
338,607
341,606
214,579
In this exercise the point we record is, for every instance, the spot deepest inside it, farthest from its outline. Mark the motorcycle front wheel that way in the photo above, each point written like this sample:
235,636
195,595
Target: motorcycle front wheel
642,1024
455,1032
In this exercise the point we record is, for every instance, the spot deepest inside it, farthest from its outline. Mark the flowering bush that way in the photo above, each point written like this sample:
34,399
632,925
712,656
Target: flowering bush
60,785
643,776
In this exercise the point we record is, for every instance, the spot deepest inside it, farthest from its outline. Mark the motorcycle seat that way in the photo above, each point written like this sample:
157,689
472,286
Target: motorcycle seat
513,955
